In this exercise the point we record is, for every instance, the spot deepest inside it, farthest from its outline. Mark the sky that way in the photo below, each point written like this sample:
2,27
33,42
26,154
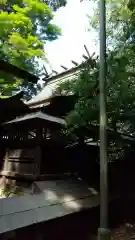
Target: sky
74,25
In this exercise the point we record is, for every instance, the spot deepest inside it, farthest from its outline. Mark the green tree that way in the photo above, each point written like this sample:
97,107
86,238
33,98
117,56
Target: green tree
24,29
84,118
55,4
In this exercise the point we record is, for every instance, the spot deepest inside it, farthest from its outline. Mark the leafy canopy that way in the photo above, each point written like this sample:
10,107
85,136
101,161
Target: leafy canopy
25,26
120,84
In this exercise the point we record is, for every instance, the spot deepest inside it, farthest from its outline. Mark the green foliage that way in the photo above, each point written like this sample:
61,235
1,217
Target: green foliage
120,84
120,89
24,28
118,15
9,191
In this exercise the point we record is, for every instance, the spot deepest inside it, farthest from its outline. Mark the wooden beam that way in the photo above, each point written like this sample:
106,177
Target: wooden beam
38,158
92,55
46,73
85,57
87,51
17,174
9,68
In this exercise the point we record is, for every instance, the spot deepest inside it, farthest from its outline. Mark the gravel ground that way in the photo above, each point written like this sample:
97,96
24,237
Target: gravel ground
124,232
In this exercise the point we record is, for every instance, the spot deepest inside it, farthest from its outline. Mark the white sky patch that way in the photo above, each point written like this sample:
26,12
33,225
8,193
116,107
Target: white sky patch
74,24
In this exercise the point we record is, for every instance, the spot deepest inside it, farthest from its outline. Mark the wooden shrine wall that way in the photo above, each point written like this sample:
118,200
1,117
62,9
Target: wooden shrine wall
20,163
30,154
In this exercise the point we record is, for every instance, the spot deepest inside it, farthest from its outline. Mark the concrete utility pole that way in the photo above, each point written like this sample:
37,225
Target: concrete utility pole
103,232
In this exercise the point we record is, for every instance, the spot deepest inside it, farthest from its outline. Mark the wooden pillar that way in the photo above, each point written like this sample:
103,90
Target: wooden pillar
38,161
44,133
1,152
39,137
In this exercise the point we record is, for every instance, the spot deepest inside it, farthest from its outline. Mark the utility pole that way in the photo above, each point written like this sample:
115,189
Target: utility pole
103,232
